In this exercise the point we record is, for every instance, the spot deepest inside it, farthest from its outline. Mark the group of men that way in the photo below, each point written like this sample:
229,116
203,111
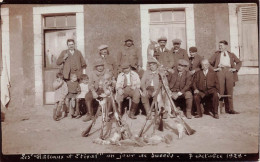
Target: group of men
191,80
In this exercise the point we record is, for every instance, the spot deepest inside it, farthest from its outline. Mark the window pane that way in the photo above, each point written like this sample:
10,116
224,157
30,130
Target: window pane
179,15
71,20
167,16
155,16
60,21
49,22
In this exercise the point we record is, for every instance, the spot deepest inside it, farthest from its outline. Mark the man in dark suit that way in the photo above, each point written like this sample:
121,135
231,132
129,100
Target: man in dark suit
162,54
226,64
206,87
195,60
179,84
177,52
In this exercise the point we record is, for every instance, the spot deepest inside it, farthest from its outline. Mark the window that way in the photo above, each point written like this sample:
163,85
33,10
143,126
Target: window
169,23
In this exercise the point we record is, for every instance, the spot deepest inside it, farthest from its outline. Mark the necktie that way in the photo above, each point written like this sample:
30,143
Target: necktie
224,53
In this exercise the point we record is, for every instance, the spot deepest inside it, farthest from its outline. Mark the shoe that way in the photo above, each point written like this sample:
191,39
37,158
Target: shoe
78,116
198,116
233,112
216,116
188,115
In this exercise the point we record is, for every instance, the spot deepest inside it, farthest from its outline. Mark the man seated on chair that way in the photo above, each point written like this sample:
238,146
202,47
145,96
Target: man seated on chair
96,87
206,87
180,84
128,85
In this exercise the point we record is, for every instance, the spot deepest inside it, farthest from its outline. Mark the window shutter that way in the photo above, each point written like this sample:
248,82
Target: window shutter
248,13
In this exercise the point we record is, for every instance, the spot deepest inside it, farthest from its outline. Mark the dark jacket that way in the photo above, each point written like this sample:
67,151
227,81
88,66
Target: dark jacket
234,62
195,64
110,64
180,54
164,58
211,79
73,64
185,82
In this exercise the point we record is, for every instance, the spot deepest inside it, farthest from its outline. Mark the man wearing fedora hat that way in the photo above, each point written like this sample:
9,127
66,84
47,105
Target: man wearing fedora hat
96,81
109,61
130,54
128,85
180,84
177,52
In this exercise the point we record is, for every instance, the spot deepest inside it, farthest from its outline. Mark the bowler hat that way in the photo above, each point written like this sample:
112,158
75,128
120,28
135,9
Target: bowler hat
103,46
176,41
183,62
162,38
193,49
98,62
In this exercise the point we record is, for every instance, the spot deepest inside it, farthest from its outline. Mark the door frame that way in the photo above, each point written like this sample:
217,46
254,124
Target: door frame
38,13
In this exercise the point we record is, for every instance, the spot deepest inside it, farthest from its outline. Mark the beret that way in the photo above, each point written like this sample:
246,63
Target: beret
98,62
152,60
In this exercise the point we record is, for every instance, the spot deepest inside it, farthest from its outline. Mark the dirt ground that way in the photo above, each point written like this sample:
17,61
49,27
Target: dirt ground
33,131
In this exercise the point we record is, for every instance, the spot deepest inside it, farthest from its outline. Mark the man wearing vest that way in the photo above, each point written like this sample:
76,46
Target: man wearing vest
180,84
128,85
206,87
226,64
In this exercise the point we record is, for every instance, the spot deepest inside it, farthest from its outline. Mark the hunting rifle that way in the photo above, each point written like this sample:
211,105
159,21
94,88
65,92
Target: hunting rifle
188,129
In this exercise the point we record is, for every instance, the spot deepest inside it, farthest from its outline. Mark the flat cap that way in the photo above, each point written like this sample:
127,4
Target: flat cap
176,41
152,60
193,49
162,38
103,46
128,37
98,62
183,62
125,65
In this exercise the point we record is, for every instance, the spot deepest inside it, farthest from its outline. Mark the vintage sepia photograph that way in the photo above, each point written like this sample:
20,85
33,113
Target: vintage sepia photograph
129,78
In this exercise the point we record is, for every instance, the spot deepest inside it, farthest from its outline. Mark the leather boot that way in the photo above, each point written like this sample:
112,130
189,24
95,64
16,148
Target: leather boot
77,113
188,108
54,114
147,110
132,111
89,114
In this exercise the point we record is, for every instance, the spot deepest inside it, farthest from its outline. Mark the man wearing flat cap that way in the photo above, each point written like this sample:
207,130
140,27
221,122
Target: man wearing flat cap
128,85
130,54
226,65
151,86
109,61
162,54
177,52
96,82
195,60
180,84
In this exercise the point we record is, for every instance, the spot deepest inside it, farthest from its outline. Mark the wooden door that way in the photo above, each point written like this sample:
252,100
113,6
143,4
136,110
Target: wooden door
55,42
248,35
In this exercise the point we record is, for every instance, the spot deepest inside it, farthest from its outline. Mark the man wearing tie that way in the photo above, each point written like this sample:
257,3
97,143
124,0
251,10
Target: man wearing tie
162,54
128,85
226,64
180,84
206,87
